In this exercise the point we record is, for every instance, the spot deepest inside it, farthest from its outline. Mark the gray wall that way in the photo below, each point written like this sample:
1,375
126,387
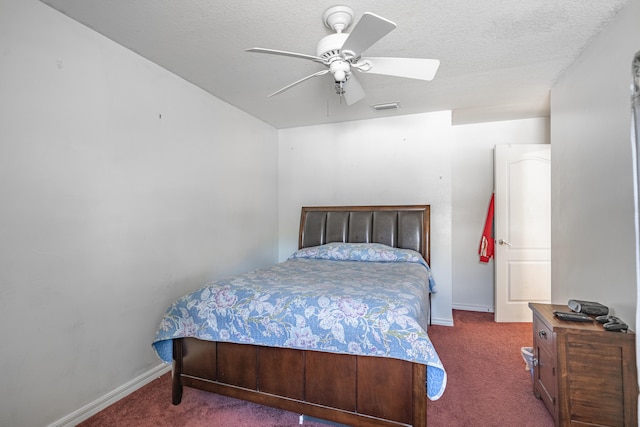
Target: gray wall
592,215
122,187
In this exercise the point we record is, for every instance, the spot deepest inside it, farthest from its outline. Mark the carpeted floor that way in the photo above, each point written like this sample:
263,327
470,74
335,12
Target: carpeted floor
487,386
151,406
487,381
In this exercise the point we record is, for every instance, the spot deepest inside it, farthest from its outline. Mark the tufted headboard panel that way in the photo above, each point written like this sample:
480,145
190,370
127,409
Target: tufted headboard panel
405,227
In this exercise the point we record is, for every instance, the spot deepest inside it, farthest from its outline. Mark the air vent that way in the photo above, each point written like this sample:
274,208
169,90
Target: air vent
386,106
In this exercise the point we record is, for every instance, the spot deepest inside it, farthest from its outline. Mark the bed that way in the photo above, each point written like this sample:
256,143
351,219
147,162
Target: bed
337,331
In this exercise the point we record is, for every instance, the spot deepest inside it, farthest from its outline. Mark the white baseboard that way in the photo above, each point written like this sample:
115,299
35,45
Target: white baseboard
101,403
468,307
440,321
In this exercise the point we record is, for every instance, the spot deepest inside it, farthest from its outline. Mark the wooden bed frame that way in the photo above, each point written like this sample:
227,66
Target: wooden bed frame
348,389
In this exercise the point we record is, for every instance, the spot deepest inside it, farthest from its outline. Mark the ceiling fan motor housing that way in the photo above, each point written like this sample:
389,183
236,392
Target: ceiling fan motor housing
329,46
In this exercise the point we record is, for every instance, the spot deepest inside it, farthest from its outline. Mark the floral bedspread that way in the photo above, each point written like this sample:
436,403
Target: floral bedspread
364,299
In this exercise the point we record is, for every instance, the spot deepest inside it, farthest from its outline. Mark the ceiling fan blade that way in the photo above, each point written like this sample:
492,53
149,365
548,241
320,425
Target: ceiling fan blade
412,68
285,53
319,73
353,91
369,29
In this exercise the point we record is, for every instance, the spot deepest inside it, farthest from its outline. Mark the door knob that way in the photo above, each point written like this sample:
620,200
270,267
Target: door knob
503,242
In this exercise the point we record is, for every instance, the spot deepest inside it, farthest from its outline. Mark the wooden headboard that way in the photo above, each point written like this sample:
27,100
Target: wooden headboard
405,227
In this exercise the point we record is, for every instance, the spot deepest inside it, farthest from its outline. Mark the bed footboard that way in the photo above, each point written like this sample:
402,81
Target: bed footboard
353,390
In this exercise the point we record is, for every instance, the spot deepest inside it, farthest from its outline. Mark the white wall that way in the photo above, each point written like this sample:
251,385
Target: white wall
473,281
593,255
122,187
387,161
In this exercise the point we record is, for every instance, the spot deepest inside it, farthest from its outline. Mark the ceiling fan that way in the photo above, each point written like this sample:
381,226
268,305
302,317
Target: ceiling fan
341,53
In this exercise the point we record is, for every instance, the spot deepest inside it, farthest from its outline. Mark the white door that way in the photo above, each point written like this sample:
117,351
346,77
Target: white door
522,229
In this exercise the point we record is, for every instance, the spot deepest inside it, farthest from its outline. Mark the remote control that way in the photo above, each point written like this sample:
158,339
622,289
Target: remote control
618,327
608,319
572,316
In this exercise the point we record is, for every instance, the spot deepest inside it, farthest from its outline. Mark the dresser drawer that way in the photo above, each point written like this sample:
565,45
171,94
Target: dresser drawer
545,371
543,335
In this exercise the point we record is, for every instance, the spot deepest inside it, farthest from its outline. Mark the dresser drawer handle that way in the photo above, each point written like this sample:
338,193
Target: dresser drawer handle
542,334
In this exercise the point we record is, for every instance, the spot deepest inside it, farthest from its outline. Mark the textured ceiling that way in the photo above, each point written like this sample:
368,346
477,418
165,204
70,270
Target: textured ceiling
498,57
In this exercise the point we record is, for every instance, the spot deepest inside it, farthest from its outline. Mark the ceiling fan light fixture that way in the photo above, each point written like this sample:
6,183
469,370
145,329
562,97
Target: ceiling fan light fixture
386,106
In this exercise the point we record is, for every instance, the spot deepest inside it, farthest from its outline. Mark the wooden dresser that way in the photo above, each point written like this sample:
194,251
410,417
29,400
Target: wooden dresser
584,374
